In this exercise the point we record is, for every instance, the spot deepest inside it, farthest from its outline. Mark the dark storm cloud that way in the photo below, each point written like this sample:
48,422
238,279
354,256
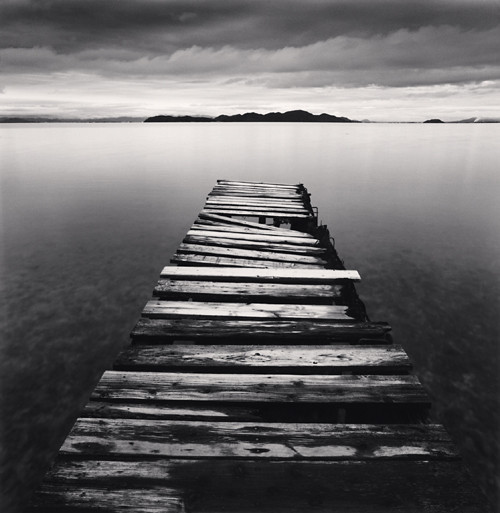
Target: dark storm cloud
274,43
159,27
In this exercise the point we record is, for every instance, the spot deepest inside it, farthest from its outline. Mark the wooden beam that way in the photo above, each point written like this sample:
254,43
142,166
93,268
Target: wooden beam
261,184
245,291
259,487
282,214
325,359
261,275
240,222
253,244
150,439
225,261
250,388
299,241
221,310
248,253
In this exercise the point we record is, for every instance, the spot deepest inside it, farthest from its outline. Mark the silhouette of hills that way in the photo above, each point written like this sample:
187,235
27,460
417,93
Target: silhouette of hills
293,116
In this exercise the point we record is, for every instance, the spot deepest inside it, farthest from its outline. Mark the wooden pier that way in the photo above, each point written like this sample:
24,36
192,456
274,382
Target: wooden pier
256,382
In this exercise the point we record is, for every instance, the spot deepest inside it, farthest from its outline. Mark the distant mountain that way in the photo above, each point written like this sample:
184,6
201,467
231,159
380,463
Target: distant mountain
293,116
20,119
179,119
478,120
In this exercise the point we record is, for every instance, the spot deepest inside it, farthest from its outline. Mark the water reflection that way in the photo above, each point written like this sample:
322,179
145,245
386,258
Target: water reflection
91,213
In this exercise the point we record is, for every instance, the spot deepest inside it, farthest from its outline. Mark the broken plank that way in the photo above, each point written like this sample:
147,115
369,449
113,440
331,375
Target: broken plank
167,330
269,441
276,239
247,253
224,261
266,359
275,275
205,224
253,244
241,222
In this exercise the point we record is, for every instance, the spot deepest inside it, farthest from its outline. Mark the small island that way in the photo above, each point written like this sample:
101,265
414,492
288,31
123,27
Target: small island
293,116
434,121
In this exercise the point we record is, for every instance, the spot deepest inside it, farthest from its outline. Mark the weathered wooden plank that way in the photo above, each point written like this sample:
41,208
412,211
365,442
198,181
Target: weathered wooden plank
253,244
214,203
250,388
249,187
112,498
258,190
261,275
223,261
201,486
246,440
159,330
246,291
255,187
248,253
243,230
241,222
256,201
141,410
259,213
213,310
276,239
205,224
261,184
247,194
266,359
298,198
260,206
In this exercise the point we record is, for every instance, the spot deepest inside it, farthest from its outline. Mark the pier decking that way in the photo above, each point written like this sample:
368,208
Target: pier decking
256,382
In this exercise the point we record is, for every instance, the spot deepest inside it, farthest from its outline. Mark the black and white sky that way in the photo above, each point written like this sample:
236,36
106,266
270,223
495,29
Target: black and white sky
365,59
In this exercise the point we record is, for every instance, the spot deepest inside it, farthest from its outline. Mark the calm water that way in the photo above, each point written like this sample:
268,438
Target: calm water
91,213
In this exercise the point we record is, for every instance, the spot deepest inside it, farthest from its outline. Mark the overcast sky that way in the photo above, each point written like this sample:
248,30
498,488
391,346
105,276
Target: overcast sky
375,59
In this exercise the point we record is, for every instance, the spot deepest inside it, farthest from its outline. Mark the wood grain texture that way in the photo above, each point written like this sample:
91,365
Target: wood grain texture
268,202
224,310
275,239
245,291
226,261
145,410
281,207
249,254
160,330
297,186
285,359
203,224
253,244
240,222
237,440
260,486
283,214
262,275
249,388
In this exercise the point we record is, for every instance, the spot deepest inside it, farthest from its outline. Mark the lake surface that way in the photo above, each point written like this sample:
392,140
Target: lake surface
90,214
